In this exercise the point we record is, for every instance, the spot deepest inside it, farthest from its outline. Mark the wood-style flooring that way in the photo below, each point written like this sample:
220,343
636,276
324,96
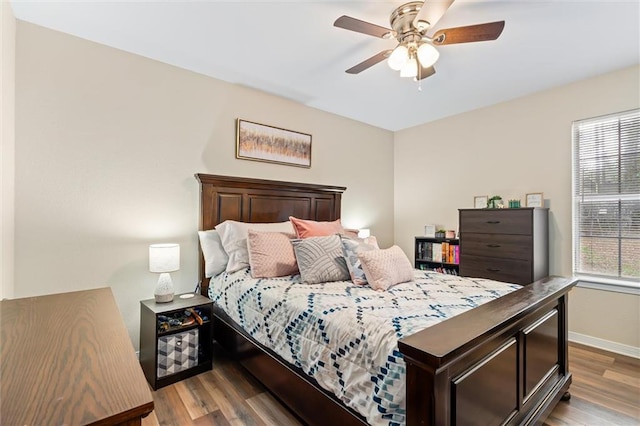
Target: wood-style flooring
605,391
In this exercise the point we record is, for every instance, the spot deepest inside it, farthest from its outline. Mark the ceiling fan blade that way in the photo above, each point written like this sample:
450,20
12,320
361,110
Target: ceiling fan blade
369,62
430,13
426,72
353,24
468,34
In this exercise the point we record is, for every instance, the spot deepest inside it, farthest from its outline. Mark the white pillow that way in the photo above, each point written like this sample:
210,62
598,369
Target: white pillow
215,258
234,234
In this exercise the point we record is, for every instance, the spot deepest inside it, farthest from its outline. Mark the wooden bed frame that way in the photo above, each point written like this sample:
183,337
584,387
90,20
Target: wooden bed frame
505,362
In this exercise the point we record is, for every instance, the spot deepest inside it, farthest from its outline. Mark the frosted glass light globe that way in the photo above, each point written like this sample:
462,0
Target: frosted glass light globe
427,55
398,58
410,69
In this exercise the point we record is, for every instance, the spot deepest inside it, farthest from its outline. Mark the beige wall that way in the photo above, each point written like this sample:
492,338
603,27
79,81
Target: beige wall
7,148
511,149
107,146
108,142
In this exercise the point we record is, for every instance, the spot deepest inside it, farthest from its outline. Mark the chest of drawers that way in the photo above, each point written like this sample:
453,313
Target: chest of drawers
510,245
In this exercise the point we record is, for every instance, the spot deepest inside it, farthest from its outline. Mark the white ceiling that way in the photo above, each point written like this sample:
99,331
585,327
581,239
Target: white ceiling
291,49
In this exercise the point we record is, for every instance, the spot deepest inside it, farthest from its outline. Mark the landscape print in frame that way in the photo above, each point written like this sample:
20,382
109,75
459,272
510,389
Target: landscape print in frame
259,142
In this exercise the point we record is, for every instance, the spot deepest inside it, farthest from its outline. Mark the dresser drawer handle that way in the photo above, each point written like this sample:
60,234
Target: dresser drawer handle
493,270
493,222
493,245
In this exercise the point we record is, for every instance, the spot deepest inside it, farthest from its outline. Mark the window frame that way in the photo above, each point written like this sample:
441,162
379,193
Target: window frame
587,280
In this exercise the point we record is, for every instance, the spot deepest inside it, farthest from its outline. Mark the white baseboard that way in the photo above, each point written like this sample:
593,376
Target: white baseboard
607,345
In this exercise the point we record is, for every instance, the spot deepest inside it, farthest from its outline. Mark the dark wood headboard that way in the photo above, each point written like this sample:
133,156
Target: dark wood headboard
260,201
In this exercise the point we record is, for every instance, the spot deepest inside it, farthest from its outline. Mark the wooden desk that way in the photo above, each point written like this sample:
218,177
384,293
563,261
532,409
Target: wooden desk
67,359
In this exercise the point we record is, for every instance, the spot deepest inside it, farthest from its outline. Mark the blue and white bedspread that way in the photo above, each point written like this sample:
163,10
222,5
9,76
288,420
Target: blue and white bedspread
346,336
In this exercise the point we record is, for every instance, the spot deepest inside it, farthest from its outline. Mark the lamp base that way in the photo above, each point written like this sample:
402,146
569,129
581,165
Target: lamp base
164,289
164,298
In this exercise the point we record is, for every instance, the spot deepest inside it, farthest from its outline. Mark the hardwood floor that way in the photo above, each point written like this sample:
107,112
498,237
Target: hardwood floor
605,391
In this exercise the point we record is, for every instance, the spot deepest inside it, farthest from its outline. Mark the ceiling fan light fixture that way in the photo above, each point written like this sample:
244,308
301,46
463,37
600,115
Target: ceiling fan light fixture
410,69
427,54
398,58
416,51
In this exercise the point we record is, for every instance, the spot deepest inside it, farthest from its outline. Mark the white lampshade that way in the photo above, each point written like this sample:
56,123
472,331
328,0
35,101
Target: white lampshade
398,57
427,54
364,233
164,257
410,69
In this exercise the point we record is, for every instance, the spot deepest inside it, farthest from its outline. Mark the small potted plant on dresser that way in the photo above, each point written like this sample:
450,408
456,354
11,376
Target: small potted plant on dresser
495,202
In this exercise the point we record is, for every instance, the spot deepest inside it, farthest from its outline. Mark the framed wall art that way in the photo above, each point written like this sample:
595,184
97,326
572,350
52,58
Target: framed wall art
534,199
259,142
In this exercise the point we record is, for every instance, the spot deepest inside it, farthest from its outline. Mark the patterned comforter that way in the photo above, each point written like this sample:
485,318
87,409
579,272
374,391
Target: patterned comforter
345,336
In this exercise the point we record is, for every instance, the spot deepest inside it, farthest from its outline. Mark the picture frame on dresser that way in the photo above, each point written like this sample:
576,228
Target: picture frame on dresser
534,199
480,201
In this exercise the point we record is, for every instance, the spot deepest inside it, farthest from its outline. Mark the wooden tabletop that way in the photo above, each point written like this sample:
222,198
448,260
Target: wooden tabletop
67,359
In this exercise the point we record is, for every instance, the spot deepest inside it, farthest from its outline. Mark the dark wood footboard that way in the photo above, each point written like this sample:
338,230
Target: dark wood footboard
505,362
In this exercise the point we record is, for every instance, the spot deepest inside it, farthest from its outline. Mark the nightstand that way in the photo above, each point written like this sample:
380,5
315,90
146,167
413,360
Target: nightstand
172,345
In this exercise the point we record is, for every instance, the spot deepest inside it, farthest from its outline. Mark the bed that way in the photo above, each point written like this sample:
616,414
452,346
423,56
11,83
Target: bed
503,362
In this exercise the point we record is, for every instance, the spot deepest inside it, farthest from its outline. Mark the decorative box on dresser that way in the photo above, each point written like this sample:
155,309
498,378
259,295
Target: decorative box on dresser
510,245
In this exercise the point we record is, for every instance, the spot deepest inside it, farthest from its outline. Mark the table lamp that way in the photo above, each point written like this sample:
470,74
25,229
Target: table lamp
164,258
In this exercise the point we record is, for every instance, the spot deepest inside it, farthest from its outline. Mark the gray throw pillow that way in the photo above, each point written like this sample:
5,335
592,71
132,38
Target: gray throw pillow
351,247
320,259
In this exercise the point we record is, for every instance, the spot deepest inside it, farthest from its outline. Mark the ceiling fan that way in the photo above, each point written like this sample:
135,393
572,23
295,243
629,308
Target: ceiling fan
415,53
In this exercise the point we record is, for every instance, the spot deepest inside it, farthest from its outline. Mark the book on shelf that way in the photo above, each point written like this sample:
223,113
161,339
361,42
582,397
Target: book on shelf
440,252
445,252
437,252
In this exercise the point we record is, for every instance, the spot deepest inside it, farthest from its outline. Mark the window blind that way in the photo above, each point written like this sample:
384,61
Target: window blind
606,211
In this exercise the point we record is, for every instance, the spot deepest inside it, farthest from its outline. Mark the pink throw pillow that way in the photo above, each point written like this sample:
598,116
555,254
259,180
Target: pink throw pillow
271,254
311,228
351,233
385,268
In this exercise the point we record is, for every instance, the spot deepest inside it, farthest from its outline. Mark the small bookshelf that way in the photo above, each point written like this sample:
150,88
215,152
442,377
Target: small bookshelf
438,254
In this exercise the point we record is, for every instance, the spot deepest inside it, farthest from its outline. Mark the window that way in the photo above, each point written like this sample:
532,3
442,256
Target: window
606,193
